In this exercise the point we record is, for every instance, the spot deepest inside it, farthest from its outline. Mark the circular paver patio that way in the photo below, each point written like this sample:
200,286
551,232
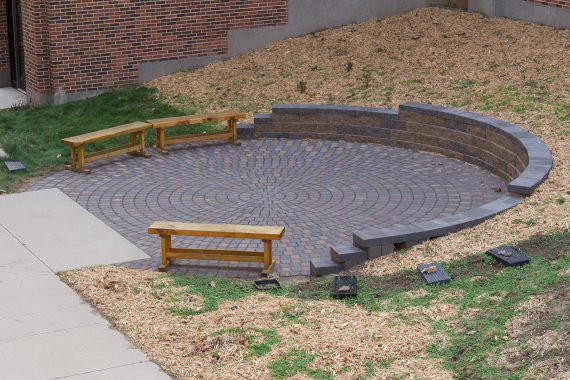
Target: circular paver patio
321,191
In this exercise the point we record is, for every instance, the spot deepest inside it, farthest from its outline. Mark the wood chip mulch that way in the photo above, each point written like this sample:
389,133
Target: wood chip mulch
344,339
511,70
515,71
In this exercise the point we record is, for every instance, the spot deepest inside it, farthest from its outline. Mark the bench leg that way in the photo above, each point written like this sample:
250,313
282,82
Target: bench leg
268,262
232,125
77,163
160,141
72,158
166,246
141,152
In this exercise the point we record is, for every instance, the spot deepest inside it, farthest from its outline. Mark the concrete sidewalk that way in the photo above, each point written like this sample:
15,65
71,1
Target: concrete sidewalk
46,330
10,97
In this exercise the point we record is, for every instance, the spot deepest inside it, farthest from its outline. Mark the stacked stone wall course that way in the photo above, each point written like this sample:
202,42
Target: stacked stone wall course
502,148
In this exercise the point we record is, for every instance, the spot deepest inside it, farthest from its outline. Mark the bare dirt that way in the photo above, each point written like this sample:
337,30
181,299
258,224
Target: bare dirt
532,339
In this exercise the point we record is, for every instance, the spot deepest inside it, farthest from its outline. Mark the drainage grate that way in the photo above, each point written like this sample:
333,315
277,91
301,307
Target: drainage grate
344,286
433,273
508,256
14,166
268,284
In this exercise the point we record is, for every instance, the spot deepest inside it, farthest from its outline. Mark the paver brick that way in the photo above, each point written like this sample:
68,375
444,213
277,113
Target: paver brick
321,191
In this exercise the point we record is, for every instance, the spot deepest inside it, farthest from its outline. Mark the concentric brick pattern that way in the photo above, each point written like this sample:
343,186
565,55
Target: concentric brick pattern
320,191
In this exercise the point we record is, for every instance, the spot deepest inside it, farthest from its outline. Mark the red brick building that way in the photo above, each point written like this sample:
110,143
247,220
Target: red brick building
4,53
84,46
61,50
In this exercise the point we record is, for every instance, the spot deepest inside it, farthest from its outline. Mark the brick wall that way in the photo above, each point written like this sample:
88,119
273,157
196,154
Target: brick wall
556,3
4,53
98,44
36,46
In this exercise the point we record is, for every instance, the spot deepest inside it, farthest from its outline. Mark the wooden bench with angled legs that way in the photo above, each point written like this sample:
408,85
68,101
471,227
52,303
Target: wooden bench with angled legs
265,233
77,144
229,135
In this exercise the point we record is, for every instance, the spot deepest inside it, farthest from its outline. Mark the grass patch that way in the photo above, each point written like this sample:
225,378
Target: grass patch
495,292
291,315
371,368
526,222
224,290
484,296
497,298
294,362
33,135
562,110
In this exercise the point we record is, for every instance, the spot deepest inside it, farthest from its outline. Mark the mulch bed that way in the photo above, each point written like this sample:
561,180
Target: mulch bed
515,71
511,70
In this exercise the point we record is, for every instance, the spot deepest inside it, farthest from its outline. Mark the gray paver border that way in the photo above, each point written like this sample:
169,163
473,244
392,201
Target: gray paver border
495,145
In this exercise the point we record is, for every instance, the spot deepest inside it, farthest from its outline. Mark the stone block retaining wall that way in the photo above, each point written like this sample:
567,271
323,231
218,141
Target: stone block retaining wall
510,152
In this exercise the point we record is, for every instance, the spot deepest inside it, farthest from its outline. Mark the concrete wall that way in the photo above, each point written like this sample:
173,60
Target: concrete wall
523,10
305,16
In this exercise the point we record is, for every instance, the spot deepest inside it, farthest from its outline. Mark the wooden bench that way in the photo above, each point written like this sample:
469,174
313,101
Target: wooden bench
267,234
230,134
77,144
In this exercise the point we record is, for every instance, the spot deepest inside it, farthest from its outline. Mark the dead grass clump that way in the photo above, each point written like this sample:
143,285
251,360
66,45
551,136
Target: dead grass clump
415,368
413,294
551,369
437,311
183,300
534,308
539,337
549,341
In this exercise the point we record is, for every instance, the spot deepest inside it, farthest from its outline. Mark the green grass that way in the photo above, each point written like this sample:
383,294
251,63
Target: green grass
563,111
224,290
371,368
33,135
291,315
526,222
497,299
294,362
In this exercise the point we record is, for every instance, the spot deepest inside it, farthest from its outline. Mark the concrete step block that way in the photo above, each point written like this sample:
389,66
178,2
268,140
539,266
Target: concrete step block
321,267
377,250
344,253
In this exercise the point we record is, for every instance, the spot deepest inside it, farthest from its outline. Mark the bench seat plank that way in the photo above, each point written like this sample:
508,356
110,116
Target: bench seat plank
229,135
217,230
196,119
104,134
